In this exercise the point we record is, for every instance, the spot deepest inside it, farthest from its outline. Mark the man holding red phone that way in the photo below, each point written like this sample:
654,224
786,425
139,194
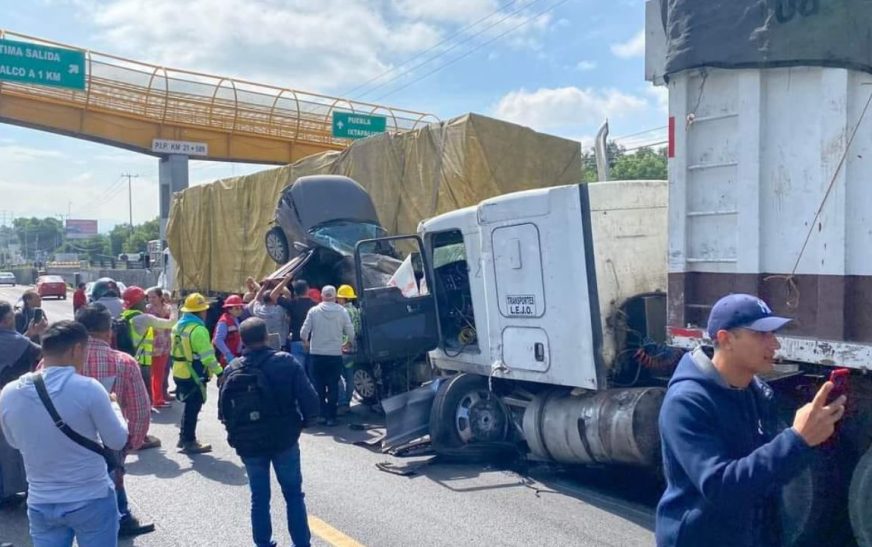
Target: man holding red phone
724,456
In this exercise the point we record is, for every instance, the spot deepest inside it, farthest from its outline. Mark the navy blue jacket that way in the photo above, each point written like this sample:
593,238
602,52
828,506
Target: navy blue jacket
724,458
293,391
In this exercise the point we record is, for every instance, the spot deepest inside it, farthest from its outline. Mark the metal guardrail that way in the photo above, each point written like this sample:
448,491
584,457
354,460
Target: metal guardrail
124,87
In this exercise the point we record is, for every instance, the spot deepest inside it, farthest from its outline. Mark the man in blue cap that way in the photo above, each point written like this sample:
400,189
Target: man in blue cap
724,457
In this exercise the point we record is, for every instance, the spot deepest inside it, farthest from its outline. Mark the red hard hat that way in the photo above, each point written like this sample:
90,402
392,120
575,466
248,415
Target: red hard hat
133,296
233,301
315,295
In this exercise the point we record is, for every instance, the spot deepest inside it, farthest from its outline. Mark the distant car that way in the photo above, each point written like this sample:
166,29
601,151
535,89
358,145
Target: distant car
51,285
7,278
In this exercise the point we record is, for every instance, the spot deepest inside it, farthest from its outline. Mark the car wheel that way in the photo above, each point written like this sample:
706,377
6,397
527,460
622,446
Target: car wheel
277,245
365,385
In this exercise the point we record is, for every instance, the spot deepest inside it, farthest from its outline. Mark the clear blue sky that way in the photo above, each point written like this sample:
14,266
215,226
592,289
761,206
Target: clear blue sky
558,66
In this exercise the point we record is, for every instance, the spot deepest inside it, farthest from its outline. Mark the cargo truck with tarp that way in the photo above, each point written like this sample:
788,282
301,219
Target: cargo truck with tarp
307,217
561,313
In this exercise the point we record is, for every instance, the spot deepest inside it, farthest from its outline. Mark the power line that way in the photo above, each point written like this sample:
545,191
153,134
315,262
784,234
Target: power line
648,145
115,191
470,52
467,39
106,191
115,186
428,50
622,137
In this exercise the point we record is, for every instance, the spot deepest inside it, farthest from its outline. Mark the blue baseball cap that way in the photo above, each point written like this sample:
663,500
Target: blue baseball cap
743,311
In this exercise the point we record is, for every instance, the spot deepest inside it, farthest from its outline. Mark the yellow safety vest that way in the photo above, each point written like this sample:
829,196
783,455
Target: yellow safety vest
144,343
191,346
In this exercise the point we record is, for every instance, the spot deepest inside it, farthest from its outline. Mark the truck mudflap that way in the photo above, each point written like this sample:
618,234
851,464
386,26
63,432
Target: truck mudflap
407,415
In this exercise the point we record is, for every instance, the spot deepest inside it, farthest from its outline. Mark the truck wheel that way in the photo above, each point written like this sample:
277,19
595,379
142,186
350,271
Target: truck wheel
860,500
813,504
277,245
465,412
365,385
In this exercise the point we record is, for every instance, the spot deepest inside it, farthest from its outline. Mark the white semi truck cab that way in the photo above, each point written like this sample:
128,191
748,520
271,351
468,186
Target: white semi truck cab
542,301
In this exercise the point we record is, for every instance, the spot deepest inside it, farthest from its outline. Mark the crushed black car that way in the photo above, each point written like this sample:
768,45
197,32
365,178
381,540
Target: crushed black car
319,222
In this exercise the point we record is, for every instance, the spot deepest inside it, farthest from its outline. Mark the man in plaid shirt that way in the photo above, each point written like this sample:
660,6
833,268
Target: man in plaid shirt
119,373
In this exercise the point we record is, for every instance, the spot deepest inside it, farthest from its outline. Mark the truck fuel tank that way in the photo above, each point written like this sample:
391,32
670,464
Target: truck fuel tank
616,426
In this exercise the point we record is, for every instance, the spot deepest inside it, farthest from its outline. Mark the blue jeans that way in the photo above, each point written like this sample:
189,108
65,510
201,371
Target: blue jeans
117,476
92,522
299,353
290,477
346,391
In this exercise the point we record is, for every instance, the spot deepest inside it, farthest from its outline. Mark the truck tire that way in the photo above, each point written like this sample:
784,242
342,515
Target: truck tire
277,245
860,500
813,504
466,413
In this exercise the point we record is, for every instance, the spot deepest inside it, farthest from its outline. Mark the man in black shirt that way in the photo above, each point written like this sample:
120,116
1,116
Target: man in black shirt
297,308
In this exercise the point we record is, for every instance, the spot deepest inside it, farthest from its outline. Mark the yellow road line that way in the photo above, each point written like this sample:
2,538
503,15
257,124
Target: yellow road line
330,534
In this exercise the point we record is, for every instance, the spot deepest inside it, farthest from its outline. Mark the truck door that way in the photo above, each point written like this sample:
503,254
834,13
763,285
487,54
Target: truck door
398,311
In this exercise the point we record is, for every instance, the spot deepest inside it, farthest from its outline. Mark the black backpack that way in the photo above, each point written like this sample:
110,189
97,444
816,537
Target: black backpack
121,335
249,410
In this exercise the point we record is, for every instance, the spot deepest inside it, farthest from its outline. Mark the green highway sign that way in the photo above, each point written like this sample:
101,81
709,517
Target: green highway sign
28,63
347,125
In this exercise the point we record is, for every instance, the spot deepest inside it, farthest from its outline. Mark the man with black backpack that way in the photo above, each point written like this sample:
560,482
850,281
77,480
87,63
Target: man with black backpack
265,401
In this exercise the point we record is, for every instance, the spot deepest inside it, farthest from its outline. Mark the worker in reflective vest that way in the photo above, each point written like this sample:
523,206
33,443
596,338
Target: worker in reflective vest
227,340
194,363
142,327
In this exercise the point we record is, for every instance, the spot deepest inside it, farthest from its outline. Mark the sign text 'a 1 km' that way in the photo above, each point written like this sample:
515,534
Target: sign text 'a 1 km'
29,63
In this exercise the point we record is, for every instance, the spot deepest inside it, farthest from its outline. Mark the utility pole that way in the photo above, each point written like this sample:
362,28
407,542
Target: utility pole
130,196
5,256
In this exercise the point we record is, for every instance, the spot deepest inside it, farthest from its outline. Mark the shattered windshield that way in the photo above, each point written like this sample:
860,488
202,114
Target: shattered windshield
342,236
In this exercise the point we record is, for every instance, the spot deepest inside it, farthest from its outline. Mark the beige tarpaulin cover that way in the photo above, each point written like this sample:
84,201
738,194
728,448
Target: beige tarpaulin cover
216,231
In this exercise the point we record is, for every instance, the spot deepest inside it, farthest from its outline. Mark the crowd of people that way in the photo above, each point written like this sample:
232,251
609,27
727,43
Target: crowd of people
86,389
77,398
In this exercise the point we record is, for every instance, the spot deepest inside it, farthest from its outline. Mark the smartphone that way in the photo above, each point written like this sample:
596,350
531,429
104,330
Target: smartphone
839,378
108,383
38,315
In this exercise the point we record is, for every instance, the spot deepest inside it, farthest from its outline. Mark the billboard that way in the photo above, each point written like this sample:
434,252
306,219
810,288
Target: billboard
81,229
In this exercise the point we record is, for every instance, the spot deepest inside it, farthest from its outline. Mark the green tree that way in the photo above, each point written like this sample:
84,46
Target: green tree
117,238
643,164
142,234
45,236
124,240
94,248
38,235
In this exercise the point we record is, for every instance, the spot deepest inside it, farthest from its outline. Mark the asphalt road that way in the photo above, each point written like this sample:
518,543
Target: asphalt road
203,500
